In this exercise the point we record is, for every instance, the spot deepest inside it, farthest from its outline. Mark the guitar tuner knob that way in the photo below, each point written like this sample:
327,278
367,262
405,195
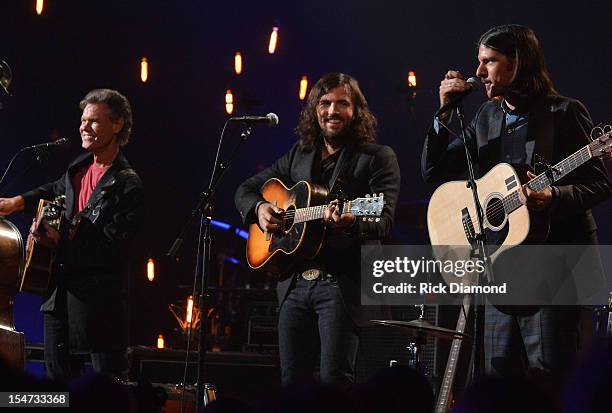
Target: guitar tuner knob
367,195
377,219
364,219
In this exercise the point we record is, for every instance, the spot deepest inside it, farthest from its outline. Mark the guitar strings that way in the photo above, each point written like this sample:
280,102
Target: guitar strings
499,210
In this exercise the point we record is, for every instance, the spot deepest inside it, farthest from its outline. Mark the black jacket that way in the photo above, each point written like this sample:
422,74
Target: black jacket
375,170
90,265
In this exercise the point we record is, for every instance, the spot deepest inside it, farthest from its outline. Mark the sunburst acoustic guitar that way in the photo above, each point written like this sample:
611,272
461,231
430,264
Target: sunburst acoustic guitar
303,233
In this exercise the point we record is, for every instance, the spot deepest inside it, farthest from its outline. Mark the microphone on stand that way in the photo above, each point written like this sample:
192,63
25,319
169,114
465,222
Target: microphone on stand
271,119
47,145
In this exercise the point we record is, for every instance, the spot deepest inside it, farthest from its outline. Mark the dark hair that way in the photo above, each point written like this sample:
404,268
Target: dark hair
361,130
520,44
119,109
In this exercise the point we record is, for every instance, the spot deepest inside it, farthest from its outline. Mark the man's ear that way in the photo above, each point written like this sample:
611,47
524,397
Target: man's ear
118,125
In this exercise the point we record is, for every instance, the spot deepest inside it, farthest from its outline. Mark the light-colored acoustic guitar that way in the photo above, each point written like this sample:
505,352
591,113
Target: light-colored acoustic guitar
38,258
451,216
303,233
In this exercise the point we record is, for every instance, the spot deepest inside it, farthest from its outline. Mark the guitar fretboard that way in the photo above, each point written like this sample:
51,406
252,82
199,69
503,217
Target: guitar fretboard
453,357
315,212
512,202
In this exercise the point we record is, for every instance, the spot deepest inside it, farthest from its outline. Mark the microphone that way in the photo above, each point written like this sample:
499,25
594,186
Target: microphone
474,83
271,119
47,145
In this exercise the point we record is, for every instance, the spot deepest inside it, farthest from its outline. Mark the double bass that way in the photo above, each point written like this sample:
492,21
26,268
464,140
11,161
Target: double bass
12,262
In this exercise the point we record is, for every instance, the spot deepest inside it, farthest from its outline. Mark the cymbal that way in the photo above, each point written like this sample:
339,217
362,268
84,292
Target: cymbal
420,327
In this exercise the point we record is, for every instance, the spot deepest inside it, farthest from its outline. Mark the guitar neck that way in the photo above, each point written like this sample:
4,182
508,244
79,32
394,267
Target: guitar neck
443,402
315,212
546,179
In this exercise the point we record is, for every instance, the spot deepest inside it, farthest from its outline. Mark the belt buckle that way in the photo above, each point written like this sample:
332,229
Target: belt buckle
312,274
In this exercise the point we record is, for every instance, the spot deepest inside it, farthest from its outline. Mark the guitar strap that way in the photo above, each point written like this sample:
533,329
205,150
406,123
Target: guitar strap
349,160
542,128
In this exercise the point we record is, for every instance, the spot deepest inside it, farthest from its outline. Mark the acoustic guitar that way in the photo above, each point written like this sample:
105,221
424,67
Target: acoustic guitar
451,216
302,232
38,258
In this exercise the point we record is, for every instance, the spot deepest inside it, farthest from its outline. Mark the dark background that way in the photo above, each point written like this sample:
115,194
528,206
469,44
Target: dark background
76,46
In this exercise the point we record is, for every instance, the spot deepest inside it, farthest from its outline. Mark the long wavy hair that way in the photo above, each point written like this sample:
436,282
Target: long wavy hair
361,130
520,44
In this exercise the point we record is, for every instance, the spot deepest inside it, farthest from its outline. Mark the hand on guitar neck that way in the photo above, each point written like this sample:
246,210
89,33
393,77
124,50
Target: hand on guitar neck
44,234
333,219
536,201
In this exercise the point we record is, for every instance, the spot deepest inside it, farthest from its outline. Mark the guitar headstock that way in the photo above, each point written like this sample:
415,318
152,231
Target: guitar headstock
369,207
602,141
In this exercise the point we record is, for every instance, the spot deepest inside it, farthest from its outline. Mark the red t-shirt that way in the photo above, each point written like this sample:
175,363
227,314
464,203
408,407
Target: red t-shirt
85,182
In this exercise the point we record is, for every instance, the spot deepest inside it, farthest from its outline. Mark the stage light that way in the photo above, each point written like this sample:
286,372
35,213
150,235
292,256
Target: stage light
273,40
229,102
160,341
40,4
150,269
238,63
412,82
303,87
189,312
144,70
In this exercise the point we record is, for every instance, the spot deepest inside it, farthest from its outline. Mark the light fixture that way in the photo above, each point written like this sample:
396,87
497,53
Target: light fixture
40,4
150,269
189,312
160,341
238,63
412,82
303,87
229,102
144,70
273,40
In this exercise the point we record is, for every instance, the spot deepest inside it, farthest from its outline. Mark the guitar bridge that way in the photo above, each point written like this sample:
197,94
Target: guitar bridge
468,226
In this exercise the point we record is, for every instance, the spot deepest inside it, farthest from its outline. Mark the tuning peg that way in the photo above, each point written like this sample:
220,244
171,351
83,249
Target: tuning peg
367,195
364,219
381,194
377,219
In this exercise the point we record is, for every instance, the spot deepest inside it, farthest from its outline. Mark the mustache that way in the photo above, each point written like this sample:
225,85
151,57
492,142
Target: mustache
333,117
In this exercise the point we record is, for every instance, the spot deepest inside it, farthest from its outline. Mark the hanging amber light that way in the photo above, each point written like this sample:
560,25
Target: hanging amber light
150,269
40,5
229,102
303,87
412,82
144,70
238,63
273,40
160,341
189,312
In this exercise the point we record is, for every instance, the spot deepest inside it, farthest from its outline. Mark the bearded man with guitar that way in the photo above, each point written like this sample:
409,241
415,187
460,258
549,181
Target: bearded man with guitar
319,296
84,308
525,120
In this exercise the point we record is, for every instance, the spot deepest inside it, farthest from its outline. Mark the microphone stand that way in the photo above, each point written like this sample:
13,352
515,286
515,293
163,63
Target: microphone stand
477,367
42,154
204,208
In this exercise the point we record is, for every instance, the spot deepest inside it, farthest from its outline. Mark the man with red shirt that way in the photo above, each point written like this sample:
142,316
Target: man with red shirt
85,309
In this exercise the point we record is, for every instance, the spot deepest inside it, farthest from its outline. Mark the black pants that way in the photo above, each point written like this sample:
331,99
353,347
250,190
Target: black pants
313,321
74,327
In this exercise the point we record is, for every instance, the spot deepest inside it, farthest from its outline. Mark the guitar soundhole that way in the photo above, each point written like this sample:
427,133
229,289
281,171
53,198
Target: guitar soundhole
288,218
495,212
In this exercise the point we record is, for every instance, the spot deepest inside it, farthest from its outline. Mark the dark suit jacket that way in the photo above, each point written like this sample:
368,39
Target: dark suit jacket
375,170
90,265
559,126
